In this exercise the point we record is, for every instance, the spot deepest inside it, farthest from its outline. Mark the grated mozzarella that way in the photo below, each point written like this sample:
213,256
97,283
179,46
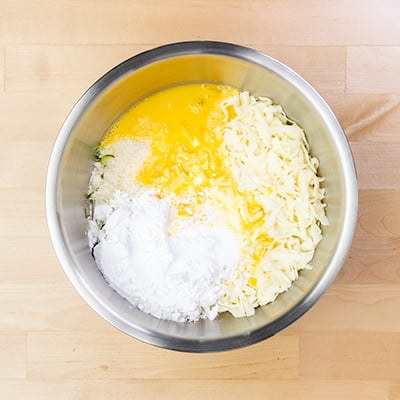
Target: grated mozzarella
268,155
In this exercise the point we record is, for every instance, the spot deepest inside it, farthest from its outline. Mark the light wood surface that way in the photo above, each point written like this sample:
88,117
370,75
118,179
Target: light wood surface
53,346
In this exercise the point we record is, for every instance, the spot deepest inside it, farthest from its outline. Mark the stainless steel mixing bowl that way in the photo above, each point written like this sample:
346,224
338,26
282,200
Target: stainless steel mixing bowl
72,160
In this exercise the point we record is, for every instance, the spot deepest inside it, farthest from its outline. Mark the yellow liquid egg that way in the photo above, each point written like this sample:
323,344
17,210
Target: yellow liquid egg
184,126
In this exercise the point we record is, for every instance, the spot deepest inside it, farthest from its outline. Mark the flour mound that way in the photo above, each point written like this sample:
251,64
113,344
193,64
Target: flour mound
177,277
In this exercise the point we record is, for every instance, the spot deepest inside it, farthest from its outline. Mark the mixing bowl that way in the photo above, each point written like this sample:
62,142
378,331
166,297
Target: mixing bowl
72,161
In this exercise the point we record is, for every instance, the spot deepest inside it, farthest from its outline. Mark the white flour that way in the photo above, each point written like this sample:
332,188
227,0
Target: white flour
176,277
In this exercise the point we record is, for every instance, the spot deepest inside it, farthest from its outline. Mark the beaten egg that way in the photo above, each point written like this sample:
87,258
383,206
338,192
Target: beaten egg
188,164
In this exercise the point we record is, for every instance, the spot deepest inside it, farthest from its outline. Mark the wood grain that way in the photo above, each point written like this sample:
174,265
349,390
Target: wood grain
51,68
378,215
371,260
98,355
31,208
376,164
328,74
13,354
394,391
355,355
54,346
32,125
373,117
46,307
1,68
23,264
374,256
376,65
257,22
199,389
29,166
355,308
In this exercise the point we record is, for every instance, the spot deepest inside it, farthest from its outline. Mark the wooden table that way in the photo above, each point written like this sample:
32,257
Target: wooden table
53,346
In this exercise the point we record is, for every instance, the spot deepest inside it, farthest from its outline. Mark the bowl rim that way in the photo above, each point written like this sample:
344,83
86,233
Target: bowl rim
224,49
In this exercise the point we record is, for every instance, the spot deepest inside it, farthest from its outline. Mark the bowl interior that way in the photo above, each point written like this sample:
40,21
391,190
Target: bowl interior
107,99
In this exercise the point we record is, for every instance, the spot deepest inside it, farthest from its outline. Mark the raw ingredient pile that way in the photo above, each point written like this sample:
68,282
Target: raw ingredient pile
204,200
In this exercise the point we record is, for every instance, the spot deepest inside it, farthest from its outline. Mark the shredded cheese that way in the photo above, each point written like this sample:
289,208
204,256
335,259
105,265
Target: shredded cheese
269,157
